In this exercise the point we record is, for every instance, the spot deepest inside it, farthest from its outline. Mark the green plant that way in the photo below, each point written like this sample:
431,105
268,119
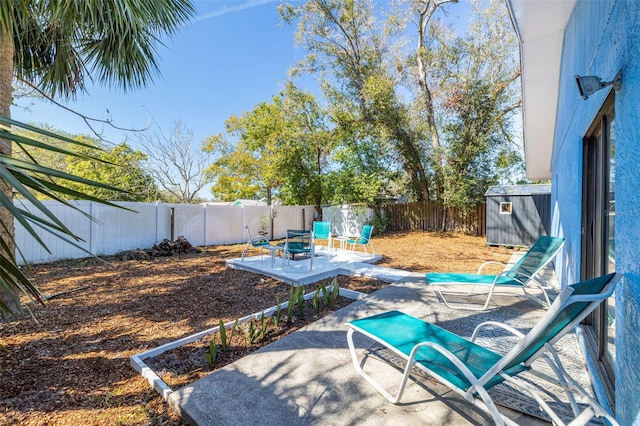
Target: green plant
316,301
234,327
223,336
224,340
334,293
293,294
211,356
380,223
263,326
257,329
253,332
300,302
278,315
264,225
326,295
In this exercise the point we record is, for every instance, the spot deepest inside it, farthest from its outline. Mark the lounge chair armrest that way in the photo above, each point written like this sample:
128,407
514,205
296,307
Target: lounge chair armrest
521,278
491,262
497,324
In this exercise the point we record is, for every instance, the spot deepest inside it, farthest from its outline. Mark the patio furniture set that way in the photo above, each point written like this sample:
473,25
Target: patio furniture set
303,242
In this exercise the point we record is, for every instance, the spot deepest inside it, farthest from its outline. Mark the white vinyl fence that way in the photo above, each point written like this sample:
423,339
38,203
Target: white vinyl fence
141,225
347,220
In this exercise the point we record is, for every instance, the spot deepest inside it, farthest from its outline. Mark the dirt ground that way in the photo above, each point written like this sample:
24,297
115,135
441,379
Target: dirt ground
71,365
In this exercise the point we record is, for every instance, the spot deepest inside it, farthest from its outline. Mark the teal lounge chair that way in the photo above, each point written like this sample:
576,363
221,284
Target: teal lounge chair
322,231
470,369
523,274
364,240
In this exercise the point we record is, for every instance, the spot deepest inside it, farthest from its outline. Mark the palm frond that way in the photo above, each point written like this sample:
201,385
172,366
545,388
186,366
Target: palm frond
112,42
28,178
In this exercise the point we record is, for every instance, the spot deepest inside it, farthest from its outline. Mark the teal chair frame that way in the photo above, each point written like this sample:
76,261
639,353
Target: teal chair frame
471,369
263,244
364,240
525,273
299,241
322,231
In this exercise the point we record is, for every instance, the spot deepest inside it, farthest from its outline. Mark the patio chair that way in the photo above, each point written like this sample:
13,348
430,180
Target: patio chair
364,240
322,231
471,369
260,242
299,242
521,275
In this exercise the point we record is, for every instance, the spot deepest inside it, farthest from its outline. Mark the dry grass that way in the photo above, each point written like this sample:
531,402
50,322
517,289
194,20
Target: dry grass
72,366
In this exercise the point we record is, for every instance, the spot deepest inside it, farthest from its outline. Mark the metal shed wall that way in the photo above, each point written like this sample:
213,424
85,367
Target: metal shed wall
530,217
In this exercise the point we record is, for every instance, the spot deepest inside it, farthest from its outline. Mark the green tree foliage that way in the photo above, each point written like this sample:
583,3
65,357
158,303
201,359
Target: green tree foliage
345,42
415,105
236,174
304,147
282,150
479,108
432,121
122,167
117,166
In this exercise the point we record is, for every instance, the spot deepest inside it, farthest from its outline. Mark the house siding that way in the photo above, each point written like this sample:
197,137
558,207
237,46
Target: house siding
601,38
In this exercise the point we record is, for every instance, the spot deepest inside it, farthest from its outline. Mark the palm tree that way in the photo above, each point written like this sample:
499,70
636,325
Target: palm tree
54,47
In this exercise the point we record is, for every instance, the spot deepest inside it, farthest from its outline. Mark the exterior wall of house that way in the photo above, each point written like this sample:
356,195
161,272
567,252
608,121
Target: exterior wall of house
601,38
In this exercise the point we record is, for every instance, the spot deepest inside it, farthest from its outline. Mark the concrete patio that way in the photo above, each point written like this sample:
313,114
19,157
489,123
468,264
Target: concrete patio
307,378
327,263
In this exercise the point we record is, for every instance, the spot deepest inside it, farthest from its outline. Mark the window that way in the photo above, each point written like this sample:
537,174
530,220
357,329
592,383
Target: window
598,234
505,207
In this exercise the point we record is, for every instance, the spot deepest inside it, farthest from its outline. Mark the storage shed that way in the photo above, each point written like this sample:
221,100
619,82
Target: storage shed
518,214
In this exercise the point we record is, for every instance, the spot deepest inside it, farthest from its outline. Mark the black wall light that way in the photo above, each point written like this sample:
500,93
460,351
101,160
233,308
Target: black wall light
589,84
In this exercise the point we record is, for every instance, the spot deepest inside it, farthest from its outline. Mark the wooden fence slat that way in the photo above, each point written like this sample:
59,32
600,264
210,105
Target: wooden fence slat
429,216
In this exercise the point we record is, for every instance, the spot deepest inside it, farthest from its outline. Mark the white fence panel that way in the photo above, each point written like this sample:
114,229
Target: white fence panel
119,229
258,218
189,222
286,217
163,221
347,220
78,223
225,225
309,216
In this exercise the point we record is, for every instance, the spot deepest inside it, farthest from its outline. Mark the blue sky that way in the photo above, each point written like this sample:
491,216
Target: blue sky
234,55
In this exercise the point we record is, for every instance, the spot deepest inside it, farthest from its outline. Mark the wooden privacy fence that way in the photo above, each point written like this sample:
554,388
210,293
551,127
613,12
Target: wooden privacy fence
431,216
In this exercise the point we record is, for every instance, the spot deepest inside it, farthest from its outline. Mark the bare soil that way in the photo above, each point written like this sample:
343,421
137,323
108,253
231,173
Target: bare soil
70,366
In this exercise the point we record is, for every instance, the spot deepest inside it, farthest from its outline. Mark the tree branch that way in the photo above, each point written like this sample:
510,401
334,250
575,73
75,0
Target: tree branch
88,120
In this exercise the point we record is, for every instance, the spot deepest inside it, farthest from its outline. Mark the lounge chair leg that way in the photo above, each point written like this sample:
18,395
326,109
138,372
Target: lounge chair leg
356,363
464,307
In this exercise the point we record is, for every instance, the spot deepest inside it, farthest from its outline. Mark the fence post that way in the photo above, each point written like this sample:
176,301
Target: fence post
92,241
204,237
172,217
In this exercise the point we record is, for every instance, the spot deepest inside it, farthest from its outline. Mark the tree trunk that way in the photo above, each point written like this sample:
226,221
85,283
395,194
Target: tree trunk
424,17
6,218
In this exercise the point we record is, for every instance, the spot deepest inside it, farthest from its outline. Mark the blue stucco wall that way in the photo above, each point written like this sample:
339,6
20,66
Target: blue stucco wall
602,37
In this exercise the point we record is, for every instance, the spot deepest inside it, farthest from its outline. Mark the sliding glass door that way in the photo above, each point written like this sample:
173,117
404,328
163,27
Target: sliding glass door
598,233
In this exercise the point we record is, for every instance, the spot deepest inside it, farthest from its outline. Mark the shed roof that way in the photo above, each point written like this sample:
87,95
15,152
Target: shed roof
538,189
